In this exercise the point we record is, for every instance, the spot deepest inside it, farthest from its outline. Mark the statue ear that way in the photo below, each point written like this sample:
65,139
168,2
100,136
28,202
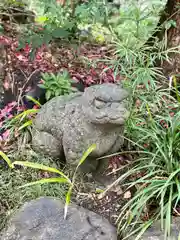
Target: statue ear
89,96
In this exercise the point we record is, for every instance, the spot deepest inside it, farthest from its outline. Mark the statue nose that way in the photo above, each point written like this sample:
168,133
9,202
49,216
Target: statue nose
120,108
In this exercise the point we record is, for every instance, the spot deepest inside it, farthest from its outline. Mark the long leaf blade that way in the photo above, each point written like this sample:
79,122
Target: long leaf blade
6,159
33,100
68,199
86,154
45,180
26,124
40,167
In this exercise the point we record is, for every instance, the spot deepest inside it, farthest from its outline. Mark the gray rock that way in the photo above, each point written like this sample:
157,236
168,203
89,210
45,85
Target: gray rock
70,124
43,219
155,233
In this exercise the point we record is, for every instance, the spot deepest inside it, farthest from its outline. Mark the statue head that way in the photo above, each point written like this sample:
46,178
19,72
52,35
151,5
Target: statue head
106,104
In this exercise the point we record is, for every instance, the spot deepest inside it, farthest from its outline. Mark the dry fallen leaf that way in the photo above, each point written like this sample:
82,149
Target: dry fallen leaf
138,103
6,83
127,195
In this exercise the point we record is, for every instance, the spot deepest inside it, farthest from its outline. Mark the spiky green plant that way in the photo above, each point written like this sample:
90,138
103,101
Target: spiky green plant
159,184
57,85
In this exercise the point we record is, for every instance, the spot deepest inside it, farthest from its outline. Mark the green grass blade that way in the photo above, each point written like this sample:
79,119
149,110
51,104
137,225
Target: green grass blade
33,100
124,176
138,201
176,88
40,167
147,194
173,174
45,180
168,214
86,154
26,113
178,188
26,124
162,152
68,200
138,229
6,159
162,209
149,112
143,179
144,228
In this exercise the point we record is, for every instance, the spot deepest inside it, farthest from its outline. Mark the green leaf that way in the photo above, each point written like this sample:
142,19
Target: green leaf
144,228
6,159
32,53
178,188
60,33
41,86
33,100
69,25
162,208
40,167
171,23
48,94
168,214
26,124
86,154
68,199
47,38
21,45
26,113
82,10
46,180
53,85
58,92
176,88
41,19
168,182
1,28
98,190
36,41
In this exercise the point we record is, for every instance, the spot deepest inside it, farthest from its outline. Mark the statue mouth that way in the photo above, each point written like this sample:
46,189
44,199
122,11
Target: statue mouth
113,120
124,116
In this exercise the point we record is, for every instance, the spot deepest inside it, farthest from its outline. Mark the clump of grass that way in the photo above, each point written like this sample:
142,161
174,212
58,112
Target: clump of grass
153,131
61,179
21,122
159,181
12,197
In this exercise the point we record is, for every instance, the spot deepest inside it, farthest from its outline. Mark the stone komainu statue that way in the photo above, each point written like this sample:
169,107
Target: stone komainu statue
68,125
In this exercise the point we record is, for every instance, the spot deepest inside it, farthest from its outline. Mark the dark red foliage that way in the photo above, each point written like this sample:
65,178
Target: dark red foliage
49,59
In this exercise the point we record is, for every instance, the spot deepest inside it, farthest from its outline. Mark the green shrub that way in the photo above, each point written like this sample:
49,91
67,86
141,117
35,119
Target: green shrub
134,59
57,85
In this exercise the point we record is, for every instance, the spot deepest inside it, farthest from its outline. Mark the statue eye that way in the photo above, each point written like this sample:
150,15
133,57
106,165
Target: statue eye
99,103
